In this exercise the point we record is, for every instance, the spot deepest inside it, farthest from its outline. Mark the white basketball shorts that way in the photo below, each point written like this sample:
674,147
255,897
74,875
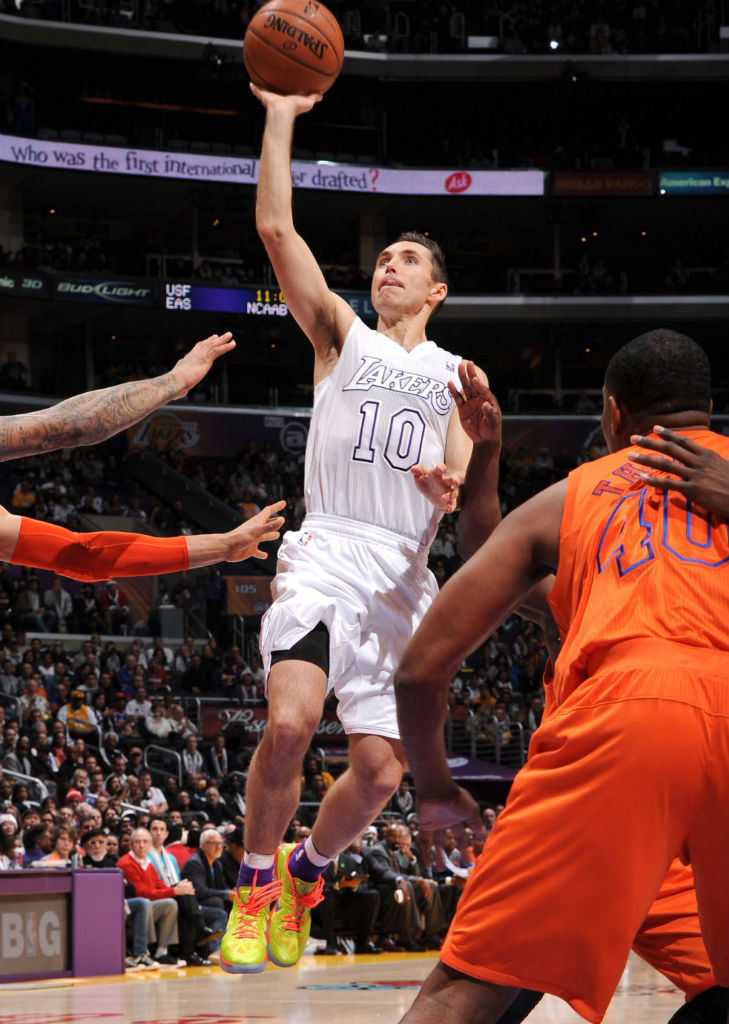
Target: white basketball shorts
370,588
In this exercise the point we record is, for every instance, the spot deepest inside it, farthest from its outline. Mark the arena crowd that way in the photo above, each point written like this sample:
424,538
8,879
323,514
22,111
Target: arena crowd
88,693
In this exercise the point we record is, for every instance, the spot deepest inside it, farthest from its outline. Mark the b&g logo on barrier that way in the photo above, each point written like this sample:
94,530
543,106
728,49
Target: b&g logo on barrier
28,936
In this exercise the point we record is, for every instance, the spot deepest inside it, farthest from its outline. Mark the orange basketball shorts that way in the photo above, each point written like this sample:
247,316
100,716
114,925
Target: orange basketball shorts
617,785
670,937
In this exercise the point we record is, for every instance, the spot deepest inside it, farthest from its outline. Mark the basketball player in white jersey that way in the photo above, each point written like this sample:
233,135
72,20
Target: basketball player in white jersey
385,458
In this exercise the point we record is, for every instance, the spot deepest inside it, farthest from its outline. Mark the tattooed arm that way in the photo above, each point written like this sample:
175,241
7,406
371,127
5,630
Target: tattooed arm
93,417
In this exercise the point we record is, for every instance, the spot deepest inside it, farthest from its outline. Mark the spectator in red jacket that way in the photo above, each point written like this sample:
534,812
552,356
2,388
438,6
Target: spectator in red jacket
190,926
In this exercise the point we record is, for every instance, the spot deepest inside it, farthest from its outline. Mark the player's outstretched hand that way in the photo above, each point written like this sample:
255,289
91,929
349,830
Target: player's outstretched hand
456,810
245,540
299,104
191,369
437,486
478,409
699,473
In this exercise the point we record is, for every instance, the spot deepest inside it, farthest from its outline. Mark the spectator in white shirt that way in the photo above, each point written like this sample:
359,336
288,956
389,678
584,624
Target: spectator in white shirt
255,668
157,724
63,509
182,724
152,798
58,605
192,759
157,646
139,706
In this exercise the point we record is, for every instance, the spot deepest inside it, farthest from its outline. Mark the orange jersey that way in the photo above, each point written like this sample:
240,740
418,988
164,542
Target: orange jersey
637,564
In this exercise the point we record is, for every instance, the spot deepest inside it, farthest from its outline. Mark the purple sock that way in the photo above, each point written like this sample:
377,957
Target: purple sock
246,875
301,867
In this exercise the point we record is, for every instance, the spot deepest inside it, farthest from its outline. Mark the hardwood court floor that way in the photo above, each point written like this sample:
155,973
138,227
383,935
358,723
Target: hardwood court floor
322,990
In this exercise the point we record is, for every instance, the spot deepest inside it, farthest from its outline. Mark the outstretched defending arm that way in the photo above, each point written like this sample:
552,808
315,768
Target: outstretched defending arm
93,417
480,417
103,555
522,550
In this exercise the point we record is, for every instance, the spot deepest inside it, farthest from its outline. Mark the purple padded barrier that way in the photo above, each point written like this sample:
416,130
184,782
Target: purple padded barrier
94,915
28,889
97,929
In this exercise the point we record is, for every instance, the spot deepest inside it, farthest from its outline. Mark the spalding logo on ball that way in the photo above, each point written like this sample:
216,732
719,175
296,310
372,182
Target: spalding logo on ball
293,46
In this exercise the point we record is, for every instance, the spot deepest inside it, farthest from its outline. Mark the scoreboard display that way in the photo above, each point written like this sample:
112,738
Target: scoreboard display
245,301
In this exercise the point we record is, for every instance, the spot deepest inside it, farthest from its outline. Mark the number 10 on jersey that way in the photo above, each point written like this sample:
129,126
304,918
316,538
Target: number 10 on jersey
404,440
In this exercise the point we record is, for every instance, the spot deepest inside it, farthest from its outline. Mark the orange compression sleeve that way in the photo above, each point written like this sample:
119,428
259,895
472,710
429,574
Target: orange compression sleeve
97,556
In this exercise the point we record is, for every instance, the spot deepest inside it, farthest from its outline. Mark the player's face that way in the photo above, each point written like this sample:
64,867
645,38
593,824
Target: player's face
402,281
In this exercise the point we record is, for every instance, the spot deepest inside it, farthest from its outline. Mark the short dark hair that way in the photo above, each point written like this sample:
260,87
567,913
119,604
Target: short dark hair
660,371
32,834
175,832
437,259
235,836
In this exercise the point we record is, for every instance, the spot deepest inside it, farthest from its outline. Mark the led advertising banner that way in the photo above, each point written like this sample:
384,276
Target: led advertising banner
249,301
602,183
27,283
101,290
693,183
323,175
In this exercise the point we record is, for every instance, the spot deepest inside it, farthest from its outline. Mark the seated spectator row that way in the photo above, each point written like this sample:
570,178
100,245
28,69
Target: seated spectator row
180,871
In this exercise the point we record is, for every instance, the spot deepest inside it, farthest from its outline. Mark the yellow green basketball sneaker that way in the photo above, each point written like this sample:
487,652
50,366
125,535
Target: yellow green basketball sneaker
290,923
243,949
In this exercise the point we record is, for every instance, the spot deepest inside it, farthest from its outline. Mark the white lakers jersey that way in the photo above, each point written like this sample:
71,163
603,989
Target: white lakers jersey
381,411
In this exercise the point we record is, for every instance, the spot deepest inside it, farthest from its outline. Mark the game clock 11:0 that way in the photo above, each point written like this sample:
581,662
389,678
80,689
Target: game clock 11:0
269,295
245,301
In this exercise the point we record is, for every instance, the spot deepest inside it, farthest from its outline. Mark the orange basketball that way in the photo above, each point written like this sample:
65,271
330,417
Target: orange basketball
293,46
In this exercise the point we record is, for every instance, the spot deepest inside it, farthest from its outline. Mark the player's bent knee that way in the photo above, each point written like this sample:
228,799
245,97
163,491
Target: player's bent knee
380,779
288,740
377,795
386,784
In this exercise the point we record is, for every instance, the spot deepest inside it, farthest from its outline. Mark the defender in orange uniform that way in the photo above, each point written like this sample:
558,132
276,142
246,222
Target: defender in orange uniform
632,767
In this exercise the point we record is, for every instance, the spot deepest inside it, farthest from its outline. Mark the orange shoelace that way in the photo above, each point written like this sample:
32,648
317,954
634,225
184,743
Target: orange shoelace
260,898
301,901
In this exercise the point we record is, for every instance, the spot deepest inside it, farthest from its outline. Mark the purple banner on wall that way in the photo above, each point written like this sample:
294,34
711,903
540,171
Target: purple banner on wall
223,433
226,432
